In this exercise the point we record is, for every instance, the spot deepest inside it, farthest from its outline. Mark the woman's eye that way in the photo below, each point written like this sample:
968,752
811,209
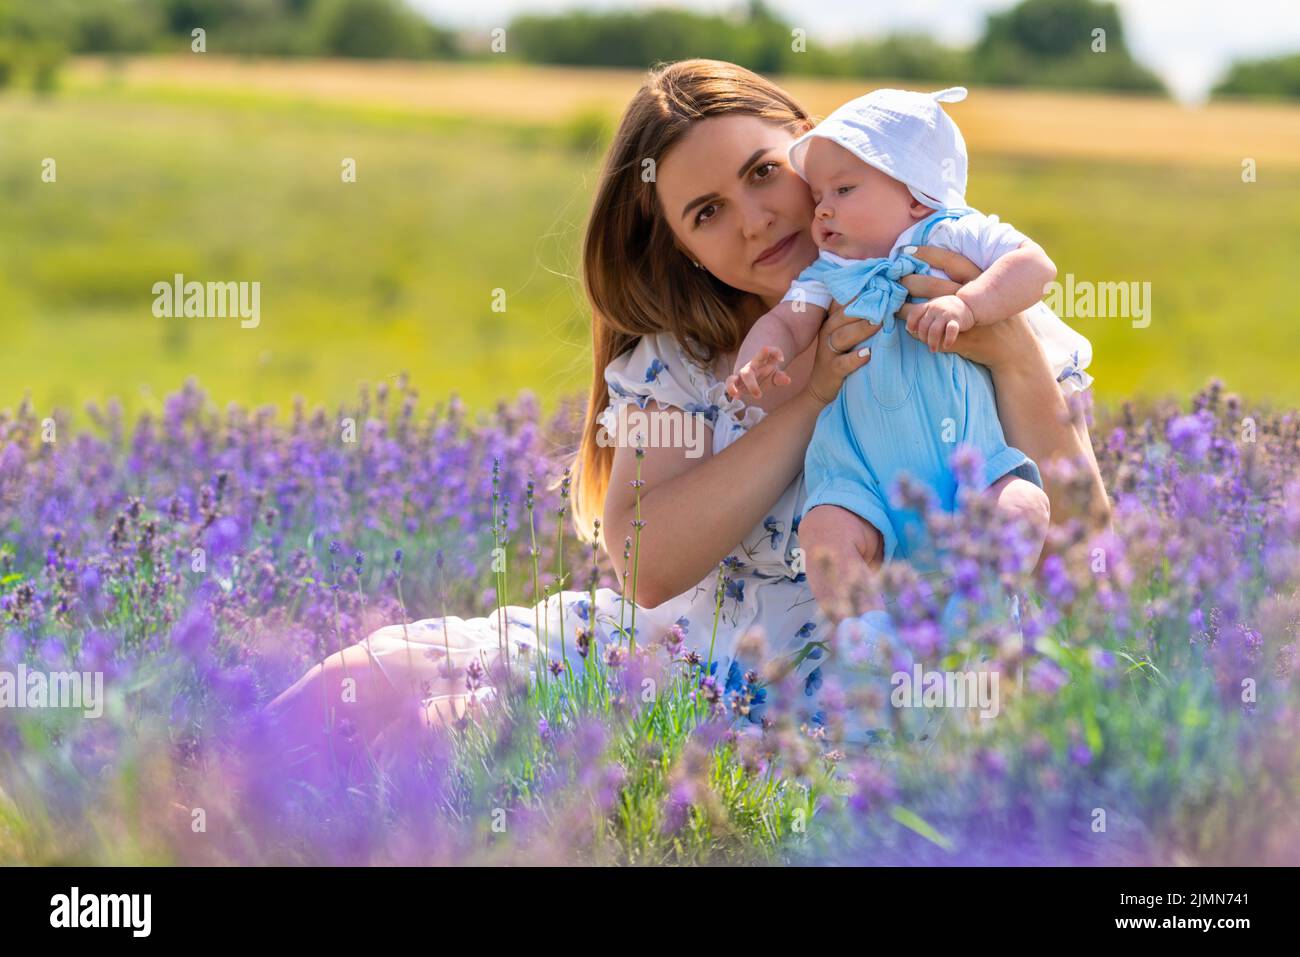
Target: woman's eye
764,170
701,218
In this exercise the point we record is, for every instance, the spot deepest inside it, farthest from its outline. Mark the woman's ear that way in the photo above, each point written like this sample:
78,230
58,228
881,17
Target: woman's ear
680,250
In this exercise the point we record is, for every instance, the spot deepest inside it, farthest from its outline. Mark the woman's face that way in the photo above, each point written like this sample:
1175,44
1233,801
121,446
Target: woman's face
736,206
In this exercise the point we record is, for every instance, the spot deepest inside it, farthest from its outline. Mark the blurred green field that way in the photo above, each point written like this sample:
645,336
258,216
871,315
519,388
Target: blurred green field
398,270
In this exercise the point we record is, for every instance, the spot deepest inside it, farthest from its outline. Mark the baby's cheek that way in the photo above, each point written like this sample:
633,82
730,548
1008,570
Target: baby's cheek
874,231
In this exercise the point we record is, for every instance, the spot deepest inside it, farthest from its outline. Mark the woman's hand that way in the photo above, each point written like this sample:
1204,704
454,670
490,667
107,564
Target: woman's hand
992,345
839,352
959,269
1000,344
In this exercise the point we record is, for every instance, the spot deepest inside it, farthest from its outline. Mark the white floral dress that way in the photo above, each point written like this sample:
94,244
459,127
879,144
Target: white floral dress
766,586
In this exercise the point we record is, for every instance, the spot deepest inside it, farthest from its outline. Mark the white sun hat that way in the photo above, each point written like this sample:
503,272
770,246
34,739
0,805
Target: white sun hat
904,134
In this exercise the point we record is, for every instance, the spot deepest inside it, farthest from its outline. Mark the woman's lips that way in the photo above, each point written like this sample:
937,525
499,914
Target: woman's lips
775,252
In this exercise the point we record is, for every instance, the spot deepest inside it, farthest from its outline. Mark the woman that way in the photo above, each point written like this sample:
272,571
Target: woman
698,227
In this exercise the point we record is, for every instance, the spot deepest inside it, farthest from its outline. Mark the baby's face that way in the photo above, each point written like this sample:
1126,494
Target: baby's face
860,210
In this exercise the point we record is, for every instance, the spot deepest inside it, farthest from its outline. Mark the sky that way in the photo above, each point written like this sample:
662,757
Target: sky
1189,43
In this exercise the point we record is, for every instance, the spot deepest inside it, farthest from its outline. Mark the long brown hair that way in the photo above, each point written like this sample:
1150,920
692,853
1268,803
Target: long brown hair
637,281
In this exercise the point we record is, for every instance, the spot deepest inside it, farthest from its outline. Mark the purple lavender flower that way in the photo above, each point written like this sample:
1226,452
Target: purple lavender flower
1190,435
967,465
1046,677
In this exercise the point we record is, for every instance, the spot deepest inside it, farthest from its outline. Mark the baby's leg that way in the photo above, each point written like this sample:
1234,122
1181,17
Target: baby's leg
838,545
1022,501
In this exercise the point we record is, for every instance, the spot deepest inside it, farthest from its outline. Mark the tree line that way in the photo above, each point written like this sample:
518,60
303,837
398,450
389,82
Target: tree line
1050,43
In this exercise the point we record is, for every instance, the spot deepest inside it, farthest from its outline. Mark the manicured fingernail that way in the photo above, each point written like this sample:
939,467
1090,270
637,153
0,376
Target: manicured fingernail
864,352
910,250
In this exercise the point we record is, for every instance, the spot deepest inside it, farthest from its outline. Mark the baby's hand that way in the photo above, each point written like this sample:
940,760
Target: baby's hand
938,322
764,367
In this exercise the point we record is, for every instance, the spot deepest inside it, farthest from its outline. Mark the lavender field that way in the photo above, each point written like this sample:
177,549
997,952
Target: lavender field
203,559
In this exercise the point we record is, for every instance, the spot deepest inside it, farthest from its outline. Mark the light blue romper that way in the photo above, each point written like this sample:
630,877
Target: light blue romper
896,414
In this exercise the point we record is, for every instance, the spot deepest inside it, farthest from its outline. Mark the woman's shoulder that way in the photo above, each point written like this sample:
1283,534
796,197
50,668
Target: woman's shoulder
657,367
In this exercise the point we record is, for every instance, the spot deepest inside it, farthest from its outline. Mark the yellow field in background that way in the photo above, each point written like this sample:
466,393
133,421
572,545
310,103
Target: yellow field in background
1027,123
476,178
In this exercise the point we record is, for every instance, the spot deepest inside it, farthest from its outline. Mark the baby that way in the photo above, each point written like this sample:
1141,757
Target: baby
888,173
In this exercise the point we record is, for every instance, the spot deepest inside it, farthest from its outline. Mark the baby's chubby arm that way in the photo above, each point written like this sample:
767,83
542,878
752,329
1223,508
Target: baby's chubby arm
1012,283
778,335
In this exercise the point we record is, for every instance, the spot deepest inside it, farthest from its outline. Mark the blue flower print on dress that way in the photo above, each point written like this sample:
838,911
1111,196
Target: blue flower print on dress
710,412
698,661
813,682
642,398
736,590
1074,373
811,650
745,692
656,367
772,528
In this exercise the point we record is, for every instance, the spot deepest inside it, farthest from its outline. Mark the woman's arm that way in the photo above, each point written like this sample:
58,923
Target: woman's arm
1033,412
1036,417
697,509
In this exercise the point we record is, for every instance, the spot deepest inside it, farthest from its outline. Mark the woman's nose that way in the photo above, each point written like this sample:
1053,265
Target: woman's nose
758,221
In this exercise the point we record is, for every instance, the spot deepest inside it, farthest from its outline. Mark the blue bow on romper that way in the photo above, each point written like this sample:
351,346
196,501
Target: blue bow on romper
907,411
